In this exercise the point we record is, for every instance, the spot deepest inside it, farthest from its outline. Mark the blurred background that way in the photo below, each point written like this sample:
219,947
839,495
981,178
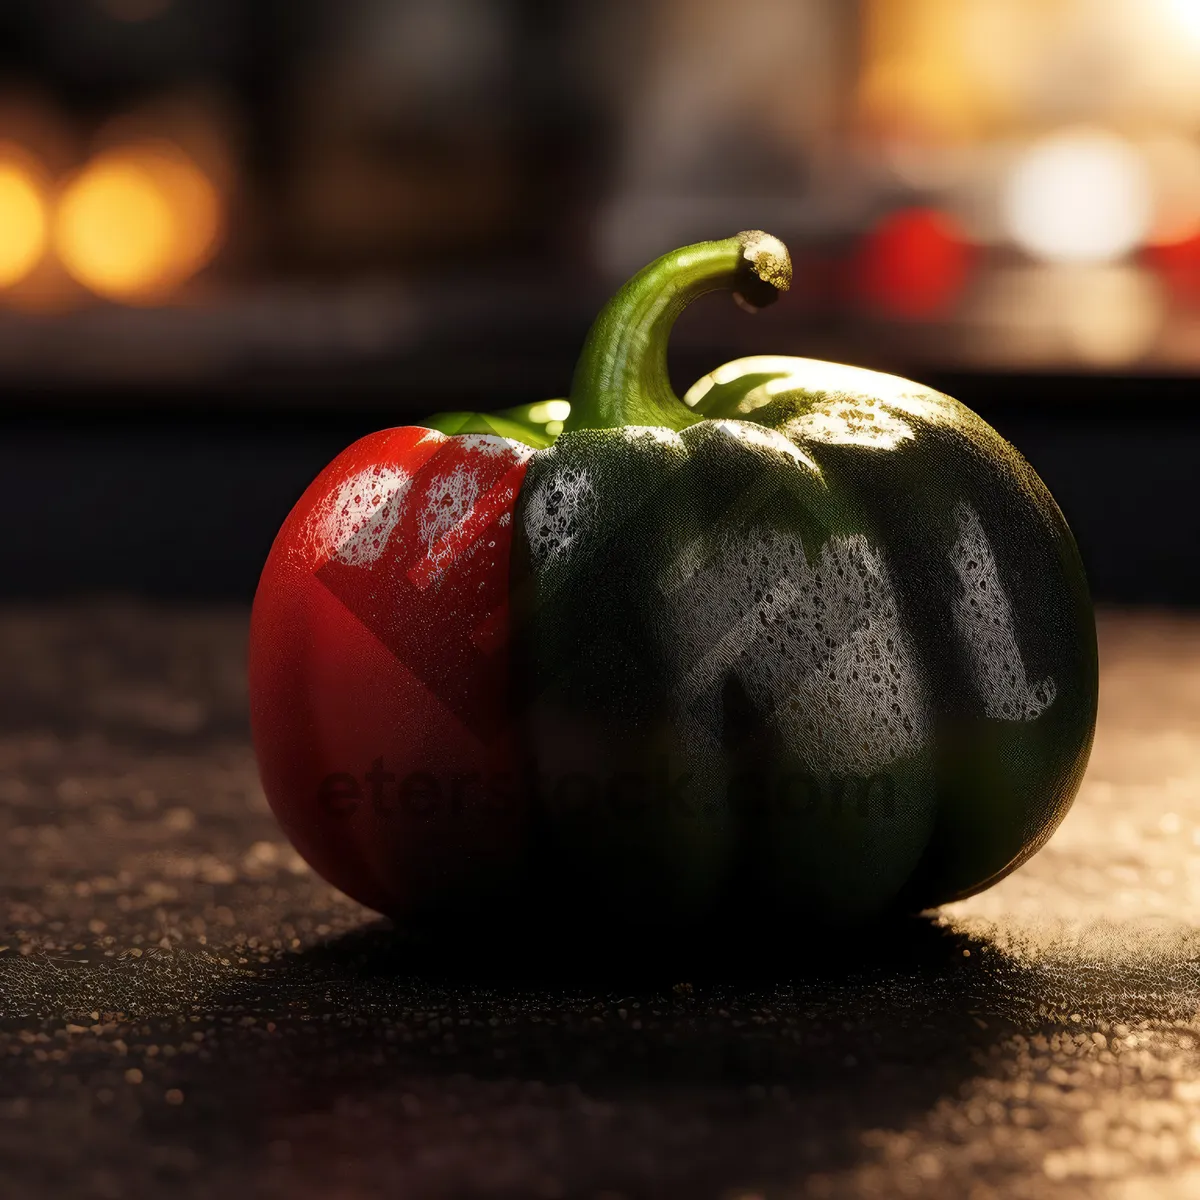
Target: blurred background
237,234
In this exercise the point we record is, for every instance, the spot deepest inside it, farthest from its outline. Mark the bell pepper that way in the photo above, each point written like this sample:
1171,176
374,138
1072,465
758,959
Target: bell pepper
812,642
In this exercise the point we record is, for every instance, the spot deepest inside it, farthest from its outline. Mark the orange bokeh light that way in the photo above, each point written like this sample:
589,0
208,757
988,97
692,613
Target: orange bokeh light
23,221
137,222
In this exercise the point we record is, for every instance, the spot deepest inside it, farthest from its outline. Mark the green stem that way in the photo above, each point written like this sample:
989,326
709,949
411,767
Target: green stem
621,377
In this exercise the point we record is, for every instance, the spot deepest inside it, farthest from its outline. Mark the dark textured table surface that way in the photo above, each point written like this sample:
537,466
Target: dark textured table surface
185,1010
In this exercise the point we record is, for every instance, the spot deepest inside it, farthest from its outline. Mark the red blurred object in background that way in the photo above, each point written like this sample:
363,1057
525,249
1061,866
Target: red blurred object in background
1178,264
914,263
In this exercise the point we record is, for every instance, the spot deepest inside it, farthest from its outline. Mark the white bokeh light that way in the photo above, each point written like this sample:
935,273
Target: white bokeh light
1185,16
1079,196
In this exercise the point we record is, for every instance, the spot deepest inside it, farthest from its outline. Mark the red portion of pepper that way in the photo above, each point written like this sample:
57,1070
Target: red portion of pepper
380,646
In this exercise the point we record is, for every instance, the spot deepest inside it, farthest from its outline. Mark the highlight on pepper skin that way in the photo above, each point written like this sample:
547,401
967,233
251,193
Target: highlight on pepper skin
815,642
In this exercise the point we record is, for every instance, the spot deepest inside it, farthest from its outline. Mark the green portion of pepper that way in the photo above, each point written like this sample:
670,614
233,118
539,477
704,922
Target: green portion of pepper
815,643
621,377
705,609
991,584
533,424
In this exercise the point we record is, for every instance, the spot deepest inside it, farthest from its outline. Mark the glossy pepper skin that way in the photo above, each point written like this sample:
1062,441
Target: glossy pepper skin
815,644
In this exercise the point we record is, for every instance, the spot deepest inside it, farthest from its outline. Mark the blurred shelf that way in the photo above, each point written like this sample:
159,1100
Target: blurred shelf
487,342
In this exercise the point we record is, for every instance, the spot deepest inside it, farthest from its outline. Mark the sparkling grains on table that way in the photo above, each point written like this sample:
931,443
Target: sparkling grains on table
184,1005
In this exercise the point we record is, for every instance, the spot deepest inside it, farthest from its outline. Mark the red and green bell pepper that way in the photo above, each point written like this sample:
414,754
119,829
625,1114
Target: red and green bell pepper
812,641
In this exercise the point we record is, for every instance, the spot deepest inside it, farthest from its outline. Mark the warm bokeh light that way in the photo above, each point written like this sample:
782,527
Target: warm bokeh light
1100,315
1079,196
1113,316
1185,16
1173,163
137,222
23,224
915,76
914,263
